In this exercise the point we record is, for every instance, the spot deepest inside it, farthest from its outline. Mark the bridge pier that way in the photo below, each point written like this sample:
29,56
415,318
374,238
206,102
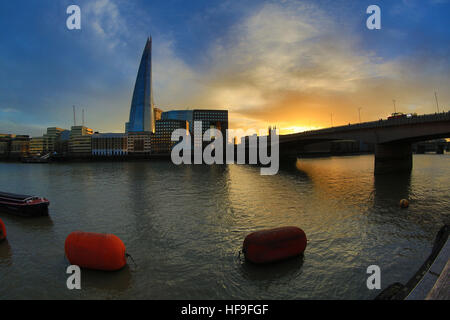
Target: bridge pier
420,148
393,157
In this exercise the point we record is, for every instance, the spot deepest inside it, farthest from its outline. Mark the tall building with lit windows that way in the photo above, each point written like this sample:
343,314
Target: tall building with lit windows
162,139
210,119
142,116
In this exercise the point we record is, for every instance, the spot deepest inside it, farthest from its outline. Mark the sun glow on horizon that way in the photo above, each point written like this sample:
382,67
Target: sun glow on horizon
297,129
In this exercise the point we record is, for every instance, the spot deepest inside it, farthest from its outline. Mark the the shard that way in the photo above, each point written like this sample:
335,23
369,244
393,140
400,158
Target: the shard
142,117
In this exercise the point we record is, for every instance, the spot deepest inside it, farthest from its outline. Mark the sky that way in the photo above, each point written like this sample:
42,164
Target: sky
298,65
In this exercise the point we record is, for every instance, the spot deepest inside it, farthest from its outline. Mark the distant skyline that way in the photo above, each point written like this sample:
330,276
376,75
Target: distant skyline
284,63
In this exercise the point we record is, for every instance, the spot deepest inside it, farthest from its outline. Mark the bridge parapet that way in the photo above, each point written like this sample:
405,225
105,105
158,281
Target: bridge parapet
382,123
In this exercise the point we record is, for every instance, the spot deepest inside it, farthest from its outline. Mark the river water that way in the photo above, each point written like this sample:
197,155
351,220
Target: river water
184,227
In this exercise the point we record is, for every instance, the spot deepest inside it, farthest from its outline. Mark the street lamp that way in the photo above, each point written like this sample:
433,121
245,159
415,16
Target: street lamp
437,104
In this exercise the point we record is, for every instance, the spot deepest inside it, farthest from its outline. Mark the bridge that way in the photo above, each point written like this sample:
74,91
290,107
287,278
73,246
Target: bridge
392,138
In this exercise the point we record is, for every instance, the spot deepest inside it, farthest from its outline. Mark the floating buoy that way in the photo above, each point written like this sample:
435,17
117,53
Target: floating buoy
95,250
404,203
2,230
274,244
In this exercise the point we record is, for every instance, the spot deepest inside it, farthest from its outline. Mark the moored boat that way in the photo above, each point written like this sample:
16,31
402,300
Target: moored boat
24,205
34,160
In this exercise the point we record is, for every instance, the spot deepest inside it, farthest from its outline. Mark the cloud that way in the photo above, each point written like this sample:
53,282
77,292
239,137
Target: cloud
288,63
175,83
9,110
105,19
13,127
293,65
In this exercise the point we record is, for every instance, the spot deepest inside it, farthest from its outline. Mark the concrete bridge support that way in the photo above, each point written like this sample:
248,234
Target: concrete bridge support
420,148
393,157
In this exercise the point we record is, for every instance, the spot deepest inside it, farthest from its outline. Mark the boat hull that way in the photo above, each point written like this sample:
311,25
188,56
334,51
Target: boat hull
26,210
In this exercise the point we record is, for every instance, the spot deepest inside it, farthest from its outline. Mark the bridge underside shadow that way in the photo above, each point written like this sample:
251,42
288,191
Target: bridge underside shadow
393,157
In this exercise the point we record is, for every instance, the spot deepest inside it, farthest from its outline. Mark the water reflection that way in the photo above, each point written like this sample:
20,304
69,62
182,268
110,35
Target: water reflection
30,223
290,268
107,280
5,253
389,189
346,179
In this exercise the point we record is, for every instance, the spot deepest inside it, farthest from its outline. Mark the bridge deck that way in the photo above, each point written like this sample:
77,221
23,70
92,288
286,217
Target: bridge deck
443,116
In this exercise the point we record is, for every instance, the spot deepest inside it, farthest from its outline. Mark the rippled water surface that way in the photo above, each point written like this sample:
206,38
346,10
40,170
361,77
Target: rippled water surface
184,227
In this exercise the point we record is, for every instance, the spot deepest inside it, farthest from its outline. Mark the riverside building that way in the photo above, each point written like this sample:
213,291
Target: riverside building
20,146
217,119
5,144
139,143
37,146
161,140
109,144
210,119
51,137
62,143
80,141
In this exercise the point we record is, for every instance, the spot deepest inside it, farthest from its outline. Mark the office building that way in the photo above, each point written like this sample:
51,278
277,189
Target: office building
139,143
162,139
158,113
37,146
210,119
62,143
217,119
80,145
20,146
5,144
186,115
109,144
80,131
142,116
80,141
51,137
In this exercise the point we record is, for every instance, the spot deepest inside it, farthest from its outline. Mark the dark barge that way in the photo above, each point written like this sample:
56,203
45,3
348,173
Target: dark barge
23,205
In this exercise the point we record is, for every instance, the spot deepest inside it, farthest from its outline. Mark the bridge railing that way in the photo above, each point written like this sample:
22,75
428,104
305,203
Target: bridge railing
443,116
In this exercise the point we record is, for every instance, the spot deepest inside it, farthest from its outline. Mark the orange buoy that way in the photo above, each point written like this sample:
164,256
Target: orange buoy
2,230
274,244
404,203
95,250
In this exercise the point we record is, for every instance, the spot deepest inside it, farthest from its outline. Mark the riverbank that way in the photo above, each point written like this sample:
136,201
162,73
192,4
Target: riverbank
122,158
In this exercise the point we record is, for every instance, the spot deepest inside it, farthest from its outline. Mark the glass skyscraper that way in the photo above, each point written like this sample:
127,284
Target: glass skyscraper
186,115
142,117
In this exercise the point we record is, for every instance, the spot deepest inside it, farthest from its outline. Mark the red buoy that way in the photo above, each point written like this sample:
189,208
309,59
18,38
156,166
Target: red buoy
2,230
274,244
95,250
404,203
